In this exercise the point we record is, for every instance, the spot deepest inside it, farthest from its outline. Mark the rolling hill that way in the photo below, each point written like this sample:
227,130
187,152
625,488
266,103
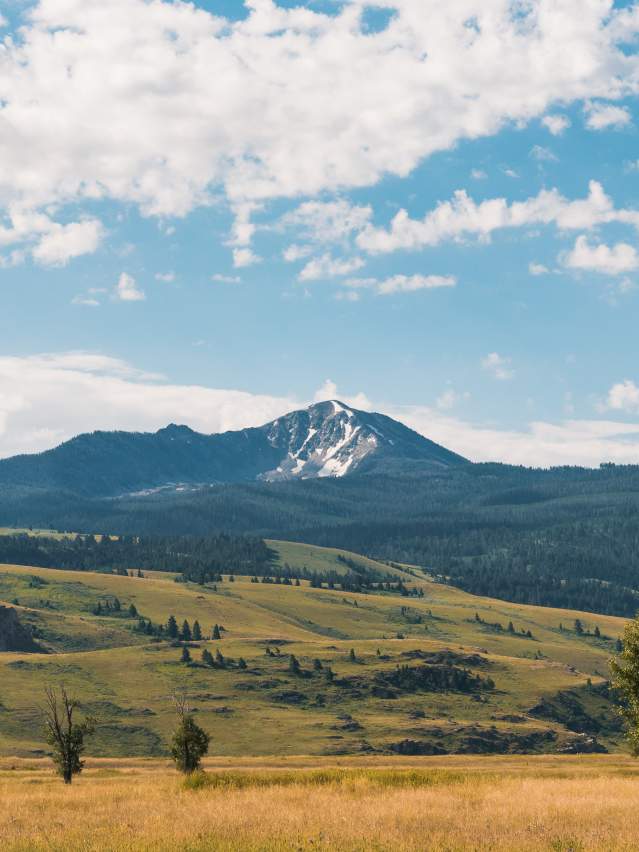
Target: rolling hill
433,671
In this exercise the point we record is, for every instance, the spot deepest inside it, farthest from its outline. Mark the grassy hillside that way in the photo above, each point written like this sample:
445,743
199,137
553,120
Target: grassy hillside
126,678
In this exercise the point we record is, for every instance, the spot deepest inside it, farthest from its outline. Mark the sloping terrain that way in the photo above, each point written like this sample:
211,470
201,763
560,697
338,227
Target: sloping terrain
328,439
432,671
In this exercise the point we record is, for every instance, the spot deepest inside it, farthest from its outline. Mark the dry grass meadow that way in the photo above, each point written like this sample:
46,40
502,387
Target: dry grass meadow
454,803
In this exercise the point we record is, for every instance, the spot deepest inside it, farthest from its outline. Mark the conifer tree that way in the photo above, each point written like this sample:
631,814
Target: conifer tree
190,742
242,663
351,655
186,655
207,657
133,611
625,678
172,628
185,633
219,659
197,632
293,665
216,633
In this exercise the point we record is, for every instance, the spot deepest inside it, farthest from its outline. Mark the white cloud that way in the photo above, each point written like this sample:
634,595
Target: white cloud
327,222
478,174
294,253
402,283
462,218
165,277
327,266
243,257
498,366
126,290
226,279
78,392
49,243
537,269
608,260
329,390
168,107
623,396
450,398
542,154
511,173
601,116
556,124
86,301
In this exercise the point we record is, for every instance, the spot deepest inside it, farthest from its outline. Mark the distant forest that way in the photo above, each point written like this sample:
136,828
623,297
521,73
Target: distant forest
566,537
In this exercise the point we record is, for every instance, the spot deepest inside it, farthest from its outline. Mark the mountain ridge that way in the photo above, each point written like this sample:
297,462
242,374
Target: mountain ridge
327,439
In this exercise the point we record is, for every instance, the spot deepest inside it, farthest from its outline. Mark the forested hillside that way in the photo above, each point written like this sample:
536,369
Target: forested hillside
561,537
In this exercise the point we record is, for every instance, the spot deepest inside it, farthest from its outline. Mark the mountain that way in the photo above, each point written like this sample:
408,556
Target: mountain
328,439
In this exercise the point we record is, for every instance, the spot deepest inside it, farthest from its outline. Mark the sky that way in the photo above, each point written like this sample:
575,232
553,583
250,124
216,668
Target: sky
212,213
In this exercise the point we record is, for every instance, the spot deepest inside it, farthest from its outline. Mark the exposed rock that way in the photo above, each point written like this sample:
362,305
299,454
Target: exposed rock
14,636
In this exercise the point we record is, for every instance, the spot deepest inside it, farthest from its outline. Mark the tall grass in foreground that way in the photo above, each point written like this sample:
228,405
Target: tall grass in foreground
350,809
337,777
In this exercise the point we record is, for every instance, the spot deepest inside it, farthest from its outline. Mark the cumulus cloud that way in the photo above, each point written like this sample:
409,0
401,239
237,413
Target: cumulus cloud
623,396
327,222
168,107
327,266
556,123
608,260
165,277
329,390
127,290
498,366
463,218
296,252
49,243
600,116
46,399
537,269
243,257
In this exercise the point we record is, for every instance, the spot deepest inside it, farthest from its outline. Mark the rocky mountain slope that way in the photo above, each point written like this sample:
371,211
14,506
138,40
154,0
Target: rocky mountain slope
328,439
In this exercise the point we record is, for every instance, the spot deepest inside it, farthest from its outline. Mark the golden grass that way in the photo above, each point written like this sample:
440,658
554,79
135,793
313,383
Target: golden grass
451,804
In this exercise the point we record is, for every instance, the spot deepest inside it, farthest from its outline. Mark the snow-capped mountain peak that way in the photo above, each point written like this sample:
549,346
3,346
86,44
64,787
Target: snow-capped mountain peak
332,439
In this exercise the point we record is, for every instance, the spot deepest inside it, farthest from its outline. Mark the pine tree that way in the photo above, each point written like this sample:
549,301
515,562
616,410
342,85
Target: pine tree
185,633
133,611
579,629
190,742
242,663
293,665
625,678
207,657
172,628
351,655
511,627
216,633
219,659
186,655
597,632
197,632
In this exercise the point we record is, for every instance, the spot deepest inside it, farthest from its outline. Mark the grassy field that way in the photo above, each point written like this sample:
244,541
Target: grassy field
559,804
126,679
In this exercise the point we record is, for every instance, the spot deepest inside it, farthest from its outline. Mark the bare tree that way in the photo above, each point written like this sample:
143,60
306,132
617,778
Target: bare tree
65,736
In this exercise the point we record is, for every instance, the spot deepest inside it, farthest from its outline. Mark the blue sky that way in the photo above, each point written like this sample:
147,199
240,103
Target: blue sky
160,165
